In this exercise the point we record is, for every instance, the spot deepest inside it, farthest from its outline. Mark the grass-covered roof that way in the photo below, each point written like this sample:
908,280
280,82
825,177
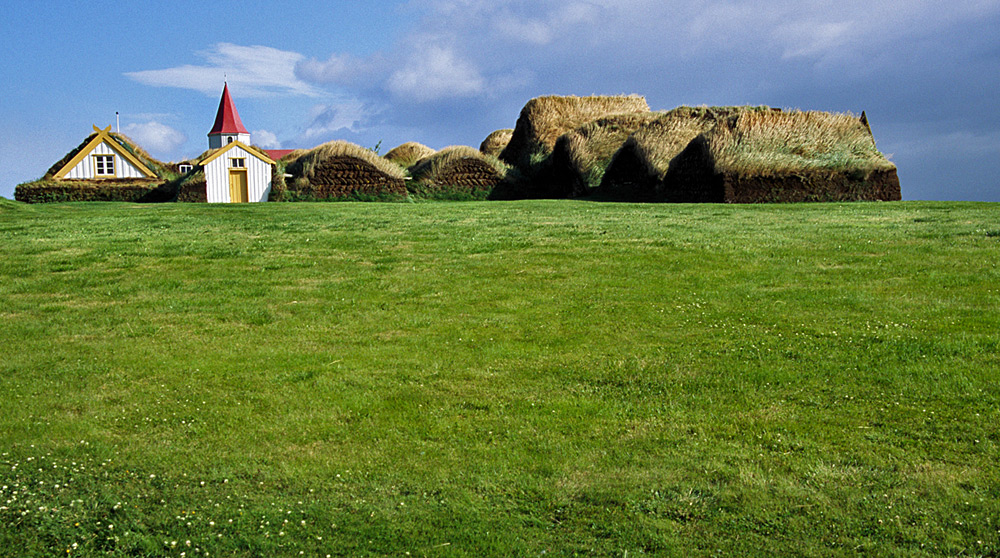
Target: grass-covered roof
763,143
306,164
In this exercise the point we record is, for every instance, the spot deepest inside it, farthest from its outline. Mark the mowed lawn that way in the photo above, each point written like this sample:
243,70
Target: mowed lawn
543,378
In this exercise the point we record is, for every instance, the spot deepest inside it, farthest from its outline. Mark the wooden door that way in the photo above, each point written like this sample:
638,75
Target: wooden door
238,186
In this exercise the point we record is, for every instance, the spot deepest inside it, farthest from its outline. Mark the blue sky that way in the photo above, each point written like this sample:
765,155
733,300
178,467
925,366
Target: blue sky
446,72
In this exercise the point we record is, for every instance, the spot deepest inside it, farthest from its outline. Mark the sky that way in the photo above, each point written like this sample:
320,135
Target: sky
449,72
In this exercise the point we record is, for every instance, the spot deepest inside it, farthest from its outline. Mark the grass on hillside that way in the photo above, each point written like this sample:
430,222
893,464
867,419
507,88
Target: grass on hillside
525,379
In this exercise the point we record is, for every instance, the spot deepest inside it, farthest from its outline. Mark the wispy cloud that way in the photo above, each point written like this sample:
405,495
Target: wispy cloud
326,120
265,139
435,72
255,71
155,136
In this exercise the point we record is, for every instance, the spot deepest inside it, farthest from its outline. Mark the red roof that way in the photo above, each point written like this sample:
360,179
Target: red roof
276,154
227,120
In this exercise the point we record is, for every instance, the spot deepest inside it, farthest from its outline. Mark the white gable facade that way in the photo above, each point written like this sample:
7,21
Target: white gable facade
103,162
103,158
237,174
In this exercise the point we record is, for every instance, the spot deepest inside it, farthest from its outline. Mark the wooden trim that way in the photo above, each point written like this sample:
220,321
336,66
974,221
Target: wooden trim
103,136
218,153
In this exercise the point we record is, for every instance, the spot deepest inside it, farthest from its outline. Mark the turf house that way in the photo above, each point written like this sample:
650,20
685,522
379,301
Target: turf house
770,156
340,170
106,166
104,157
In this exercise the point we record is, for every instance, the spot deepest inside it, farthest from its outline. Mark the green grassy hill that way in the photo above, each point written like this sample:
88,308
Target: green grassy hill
524,379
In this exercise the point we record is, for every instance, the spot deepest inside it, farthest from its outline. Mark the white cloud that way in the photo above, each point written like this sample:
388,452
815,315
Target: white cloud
254,71
344,69
154,136
435,72
530,31
327,120
265,139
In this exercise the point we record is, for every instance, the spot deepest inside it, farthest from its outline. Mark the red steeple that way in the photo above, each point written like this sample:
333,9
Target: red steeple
227,120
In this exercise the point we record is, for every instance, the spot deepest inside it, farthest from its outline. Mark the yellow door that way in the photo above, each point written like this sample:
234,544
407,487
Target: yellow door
238,186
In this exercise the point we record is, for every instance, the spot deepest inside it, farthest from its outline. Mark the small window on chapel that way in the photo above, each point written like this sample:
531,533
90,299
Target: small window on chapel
230,139
238,162
104,165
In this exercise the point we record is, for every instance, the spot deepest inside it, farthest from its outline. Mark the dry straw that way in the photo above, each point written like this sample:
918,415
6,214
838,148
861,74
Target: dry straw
495,143
460,165
767,143
408,154
305,166
649,150
581,156
544,119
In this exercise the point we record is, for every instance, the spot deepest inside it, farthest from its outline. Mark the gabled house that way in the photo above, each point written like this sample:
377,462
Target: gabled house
103,156
237,173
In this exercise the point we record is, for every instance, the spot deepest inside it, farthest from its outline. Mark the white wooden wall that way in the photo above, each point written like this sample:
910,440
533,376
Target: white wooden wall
85,168
217,177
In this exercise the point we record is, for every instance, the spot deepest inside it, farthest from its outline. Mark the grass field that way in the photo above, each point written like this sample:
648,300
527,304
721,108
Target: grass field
549,378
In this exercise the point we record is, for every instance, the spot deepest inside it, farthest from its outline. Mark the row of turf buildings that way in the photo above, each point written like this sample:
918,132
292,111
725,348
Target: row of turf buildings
601,147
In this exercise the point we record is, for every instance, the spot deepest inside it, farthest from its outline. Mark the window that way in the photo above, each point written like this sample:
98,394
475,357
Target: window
237,163
184,168
231,138
104,165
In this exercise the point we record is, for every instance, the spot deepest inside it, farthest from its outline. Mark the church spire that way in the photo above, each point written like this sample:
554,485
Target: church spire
228,127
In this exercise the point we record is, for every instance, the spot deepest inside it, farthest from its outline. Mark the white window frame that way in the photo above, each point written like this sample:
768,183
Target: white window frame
104,165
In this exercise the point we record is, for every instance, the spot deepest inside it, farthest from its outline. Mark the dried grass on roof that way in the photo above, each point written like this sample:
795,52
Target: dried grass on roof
460,168
782,157
306,164
496,142
544,119
641,162
769,143
407,154
580,157
293,155
339,169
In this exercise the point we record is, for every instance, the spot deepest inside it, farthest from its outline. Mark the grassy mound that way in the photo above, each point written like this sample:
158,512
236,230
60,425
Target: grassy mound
458,173
544,119
148,190
408,154
580,157
495,143
783,157
637,168
342,170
